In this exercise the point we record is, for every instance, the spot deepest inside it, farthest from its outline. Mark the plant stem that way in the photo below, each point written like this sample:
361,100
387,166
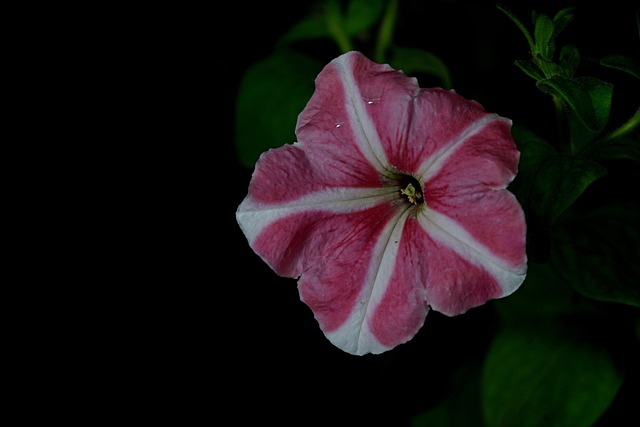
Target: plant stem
385,33
625,128
621,131
336,29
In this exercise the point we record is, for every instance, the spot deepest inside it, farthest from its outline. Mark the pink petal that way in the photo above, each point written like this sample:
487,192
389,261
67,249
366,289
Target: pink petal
463,273
342,120
328,210
337,243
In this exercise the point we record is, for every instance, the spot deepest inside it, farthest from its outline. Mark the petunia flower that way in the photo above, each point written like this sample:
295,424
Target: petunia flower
393,201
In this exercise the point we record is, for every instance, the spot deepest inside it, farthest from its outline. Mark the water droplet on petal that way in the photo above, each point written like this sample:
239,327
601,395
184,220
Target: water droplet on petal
371,101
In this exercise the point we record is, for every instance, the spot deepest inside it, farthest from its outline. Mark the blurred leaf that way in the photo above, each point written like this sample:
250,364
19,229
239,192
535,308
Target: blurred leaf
622,63
547,183
412,61
590,98
597,253
547,374
311,27
463,406
580,137
437,416
272,93
544,294
533,153
362,14
627,147
560,180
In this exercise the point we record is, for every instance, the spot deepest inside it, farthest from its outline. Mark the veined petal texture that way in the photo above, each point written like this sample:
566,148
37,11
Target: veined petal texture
392,202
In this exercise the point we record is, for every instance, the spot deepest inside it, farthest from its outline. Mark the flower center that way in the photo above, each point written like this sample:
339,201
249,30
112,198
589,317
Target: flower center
411,189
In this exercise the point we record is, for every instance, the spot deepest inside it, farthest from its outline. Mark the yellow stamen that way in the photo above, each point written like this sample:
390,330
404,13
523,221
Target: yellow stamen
411,194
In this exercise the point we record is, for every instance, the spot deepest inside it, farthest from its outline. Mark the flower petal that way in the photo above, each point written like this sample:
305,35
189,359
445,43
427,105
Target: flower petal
470,211
464,272
328,209
386,304
342,245
358,111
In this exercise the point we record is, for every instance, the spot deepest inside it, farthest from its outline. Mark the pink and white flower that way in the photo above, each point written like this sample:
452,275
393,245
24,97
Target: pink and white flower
394,201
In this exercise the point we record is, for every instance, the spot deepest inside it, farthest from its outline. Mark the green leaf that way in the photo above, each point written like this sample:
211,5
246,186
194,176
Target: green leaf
545,44
627,147
546,185
530,68
569,60
622,63
580,136
519,24
533,153
272,93
547,374
462,408
360,15
562,19
560,180
543,294
312,27
597,253
549,68
590,98
412,61
436,416
621,143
